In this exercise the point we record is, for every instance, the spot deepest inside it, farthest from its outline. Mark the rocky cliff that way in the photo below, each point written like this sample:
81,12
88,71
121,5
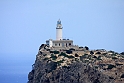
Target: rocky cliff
77,66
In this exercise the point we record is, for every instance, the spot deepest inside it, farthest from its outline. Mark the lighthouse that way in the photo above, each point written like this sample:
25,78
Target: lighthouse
59,43
59,30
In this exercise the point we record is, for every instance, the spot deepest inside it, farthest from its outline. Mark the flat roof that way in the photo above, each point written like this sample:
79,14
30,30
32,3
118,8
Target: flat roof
61,40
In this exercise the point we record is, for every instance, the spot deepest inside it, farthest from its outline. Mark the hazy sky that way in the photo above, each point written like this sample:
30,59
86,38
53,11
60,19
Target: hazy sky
26,24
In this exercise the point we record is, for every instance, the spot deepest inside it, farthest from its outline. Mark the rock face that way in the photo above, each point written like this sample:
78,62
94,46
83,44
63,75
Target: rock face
71,67
47,72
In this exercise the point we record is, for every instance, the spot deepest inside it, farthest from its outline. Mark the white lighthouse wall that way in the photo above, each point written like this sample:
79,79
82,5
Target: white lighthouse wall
59,34
50,43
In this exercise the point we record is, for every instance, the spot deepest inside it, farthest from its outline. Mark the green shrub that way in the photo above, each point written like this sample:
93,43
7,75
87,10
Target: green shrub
48,49
59,62
122,53
86,61
76,55
46,58
98,53
111,51
56,52
51,51
94,57
63,54
70,56
40,52
76,59
113,54
72,49
81,47
118,64
114,58
53,57
86,48
96,67
99,58
68,51
111,66
104,54
111,77
91,52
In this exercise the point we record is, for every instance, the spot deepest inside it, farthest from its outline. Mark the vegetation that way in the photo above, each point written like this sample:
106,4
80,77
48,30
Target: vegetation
86,48
98,53
51,51
99,58
113,54
94,57
96,67
81,47
122,53
72,49
91,52
56,52
53,57
46,58
44,54
70,56
76,55
68,51
76,59
111,66
114,58
40,52
59,62
111,77
118,64
65,55
85,61
104,54
111,51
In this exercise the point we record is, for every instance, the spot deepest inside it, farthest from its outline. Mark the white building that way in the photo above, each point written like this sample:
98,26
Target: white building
59,30
59,42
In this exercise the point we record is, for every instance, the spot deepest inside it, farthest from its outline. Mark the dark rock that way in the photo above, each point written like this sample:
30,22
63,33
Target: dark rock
77,72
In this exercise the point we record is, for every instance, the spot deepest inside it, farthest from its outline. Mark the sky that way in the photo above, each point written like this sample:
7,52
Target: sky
26,24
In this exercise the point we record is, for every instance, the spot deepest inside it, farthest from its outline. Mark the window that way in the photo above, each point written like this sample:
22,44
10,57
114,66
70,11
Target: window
66,44
63,44
69,44
55,44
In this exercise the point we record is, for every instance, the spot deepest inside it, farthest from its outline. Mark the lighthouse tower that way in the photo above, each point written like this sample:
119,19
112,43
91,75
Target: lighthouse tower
59,30
59,42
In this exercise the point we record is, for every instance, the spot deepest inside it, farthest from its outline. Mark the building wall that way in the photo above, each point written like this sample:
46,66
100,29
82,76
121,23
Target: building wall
58,33
62,43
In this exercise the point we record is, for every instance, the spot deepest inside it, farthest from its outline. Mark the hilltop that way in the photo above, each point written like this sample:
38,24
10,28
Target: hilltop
77,65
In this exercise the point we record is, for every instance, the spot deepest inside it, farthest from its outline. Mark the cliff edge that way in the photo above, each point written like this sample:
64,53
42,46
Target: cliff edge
77,65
